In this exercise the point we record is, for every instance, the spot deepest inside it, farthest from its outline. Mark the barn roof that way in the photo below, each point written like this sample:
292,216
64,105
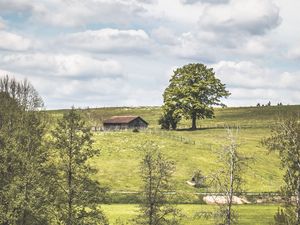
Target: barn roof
122,119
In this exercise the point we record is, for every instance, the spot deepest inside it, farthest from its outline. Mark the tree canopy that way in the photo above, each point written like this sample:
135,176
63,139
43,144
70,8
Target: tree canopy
192,93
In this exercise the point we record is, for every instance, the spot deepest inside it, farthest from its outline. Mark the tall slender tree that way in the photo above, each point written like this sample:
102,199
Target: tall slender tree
228,180
78,196
156,172
285,139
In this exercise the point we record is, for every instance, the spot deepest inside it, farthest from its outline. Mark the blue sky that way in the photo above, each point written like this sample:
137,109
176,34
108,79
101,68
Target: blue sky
122,52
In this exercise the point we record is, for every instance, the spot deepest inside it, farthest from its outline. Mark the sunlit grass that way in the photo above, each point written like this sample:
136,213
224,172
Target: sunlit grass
248,214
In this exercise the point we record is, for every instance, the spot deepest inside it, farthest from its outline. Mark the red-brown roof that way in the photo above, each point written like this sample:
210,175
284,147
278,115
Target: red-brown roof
121,119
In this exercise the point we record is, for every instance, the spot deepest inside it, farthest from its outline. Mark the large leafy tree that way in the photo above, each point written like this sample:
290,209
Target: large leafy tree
285,139
23,158
78,196
192,93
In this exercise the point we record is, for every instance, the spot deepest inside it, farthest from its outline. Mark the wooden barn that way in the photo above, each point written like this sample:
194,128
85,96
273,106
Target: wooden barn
124,122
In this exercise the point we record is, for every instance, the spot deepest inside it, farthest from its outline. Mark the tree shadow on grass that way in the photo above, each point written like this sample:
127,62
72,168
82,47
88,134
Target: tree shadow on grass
197,129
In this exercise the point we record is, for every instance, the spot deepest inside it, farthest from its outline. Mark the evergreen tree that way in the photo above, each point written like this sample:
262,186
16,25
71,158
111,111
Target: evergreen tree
78,196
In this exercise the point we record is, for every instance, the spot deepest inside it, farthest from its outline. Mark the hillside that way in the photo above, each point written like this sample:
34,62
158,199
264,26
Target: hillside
118,163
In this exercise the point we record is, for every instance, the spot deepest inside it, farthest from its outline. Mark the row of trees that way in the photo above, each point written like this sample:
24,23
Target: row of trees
44,175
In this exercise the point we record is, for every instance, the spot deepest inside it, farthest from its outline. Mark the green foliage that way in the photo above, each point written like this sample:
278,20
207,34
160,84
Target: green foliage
156,172
285,139
77,194
192,93
22,92
280,218
198,179
169,119
23,185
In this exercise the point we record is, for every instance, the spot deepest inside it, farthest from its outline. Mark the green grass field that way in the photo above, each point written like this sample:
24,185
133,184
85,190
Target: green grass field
248,214
118,163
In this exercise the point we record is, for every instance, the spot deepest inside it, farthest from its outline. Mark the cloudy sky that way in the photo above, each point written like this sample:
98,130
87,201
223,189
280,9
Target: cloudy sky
122,52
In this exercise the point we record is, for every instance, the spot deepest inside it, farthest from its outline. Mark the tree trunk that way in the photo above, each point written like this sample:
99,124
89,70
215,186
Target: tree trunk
231,191
70,181
194,119
24,214
69,222
298,203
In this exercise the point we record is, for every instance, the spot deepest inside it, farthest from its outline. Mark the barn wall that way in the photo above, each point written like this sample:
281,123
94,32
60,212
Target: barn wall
137,123
116,126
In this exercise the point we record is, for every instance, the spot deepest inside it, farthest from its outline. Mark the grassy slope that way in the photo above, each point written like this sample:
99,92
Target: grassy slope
119,161
248,214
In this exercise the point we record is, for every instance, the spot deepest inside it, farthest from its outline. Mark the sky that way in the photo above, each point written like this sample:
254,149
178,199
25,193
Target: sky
101,53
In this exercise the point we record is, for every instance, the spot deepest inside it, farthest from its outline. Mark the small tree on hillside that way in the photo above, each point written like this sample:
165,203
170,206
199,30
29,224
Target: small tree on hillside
78,196
193,91
156,172
228,180
169,118
285,139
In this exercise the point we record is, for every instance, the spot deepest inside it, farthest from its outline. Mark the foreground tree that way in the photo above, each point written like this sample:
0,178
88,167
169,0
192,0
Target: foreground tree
228,181
285,139
78,196
192,93
156,172
23,158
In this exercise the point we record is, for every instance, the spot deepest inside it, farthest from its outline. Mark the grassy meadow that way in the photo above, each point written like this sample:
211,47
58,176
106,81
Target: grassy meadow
248,214
118,163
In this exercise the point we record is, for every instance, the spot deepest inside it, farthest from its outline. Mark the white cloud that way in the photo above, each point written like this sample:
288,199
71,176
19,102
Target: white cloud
164,35
241,16
76,13
72,59
2,24
239,28
252,83
205,1
247,74
61,65
13,42
108,40
294,53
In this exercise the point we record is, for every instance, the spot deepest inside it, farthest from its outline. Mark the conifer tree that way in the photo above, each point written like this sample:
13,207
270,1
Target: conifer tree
78,196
